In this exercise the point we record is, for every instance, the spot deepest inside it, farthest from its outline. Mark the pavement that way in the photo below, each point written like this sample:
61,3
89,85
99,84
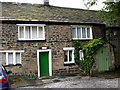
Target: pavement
70,82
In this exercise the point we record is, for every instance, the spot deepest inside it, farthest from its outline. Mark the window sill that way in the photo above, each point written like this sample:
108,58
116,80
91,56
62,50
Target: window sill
69,64
82,39
30,40
13,65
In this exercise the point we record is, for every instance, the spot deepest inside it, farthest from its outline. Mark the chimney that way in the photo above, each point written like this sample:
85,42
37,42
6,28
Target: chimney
46,2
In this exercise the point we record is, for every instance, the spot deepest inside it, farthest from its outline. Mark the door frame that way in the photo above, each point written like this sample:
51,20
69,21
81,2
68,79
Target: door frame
50,61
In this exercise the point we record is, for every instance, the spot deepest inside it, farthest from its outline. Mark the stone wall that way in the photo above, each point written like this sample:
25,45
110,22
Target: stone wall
113,36
99,32
56,38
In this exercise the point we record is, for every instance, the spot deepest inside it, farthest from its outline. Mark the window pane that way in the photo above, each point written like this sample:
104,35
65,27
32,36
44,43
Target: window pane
17,58
65,56
2,58
10,58
21,32
74,33
40,32
88,32
81,55
27,32
83,33
34,32
78,32
70,56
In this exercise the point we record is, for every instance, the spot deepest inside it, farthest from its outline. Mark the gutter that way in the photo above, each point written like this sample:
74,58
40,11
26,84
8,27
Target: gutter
52,22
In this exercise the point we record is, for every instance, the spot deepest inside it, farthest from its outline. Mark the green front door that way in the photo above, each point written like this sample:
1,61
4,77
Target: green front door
44,63
103,59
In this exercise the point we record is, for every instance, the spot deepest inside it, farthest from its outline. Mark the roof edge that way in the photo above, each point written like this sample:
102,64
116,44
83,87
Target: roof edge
19,3
49,22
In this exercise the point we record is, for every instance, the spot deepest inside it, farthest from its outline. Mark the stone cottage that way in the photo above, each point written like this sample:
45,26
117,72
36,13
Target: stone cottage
38,39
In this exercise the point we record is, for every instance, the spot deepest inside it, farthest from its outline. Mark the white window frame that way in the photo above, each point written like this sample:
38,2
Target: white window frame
81,55
76,38
69,49
14,56
37,25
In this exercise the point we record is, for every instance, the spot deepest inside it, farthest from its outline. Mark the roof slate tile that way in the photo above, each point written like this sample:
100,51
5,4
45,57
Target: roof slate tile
38,12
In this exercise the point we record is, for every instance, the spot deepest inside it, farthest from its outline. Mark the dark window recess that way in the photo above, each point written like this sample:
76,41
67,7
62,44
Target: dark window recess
70,55
65,56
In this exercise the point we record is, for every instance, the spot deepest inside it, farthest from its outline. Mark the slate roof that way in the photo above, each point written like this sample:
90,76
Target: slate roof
39,12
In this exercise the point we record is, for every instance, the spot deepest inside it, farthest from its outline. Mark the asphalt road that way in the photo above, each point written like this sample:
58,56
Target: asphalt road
76,82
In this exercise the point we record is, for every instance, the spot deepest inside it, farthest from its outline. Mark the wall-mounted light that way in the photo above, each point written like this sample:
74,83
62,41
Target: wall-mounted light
44,47
115,33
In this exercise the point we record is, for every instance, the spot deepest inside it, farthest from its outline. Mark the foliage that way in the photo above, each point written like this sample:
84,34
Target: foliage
110,12
89,50
77,45
89,3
